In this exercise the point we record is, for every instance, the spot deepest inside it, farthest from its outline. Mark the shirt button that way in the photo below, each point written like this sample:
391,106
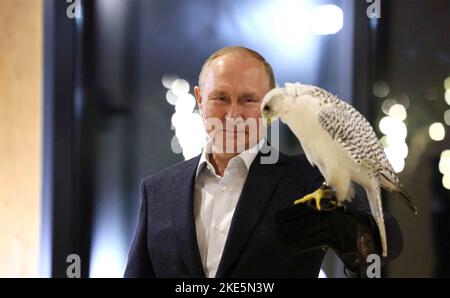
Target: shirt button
224,188
217,227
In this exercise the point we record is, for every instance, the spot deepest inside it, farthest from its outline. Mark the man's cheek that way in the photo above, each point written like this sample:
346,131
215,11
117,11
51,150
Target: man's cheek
213,125
210,111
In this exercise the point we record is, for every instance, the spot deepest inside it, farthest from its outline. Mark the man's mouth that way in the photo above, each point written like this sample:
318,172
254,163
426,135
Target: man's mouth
233,131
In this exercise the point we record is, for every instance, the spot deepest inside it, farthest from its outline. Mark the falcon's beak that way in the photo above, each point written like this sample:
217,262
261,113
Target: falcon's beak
267,115
267,118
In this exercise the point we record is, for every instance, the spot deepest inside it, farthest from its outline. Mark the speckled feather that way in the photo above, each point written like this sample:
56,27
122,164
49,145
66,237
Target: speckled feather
352,130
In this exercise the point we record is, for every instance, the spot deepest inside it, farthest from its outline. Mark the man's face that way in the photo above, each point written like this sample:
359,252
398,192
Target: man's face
232,89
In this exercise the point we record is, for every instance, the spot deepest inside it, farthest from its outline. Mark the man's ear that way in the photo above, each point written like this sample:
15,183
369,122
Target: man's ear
199,99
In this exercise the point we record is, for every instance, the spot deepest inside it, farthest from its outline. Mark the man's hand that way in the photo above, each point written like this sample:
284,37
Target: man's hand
308,229
349,233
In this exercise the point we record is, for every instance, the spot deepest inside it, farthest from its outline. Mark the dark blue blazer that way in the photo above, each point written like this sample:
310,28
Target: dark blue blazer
165,243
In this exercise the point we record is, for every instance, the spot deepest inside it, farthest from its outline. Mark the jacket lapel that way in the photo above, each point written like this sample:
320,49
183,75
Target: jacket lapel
183,216
257,190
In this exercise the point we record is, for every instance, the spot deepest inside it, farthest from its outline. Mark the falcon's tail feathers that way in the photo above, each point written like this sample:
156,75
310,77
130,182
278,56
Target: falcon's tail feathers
374,198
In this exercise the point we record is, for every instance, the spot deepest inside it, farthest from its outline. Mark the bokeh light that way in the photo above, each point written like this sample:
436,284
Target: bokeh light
180,87
437,131
380,89
447,83
190,136
447,117
447,96
398,112
326,19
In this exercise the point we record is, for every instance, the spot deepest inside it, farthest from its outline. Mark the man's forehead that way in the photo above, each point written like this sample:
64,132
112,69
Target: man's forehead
217,85
236,71
239,71
235,60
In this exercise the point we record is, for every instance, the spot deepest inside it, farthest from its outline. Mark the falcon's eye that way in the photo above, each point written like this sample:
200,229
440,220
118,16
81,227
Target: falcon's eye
266,109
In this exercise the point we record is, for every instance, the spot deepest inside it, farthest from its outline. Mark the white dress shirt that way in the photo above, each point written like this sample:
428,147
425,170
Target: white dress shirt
215,200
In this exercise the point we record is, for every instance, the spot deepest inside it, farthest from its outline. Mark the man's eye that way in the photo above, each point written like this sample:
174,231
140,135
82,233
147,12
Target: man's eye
249,99
219,98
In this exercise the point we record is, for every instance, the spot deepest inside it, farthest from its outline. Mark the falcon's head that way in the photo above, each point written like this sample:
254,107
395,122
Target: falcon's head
277,101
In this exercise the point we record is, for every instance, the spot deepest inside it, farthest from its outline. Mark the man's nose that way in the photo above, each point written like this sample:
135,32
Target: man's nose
234,110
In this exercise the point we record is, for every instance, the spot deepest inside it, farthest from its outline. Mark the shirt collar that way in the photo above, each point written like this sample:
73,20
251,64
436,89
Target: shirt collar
247,156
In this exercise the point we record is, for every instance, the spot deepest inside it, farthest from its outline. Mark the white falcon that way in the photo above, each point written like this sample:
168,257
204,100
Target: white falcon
340,142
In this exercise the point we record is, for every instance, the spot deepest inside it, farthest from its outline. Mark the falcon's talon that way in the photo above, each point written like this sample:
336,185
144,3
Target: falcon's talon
324,193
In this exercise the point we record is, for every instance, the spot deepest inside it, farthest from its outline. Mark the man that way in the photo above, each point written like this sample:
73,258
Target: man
226,213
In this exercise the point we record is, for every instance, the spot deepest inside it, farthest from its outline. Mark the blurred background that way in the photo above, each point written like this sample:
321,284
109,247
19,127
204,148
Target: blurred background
97,94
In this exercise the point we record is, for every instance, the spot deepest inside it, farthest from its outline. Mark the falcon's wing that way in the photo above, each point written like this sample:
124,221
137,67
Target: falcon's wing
350,129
